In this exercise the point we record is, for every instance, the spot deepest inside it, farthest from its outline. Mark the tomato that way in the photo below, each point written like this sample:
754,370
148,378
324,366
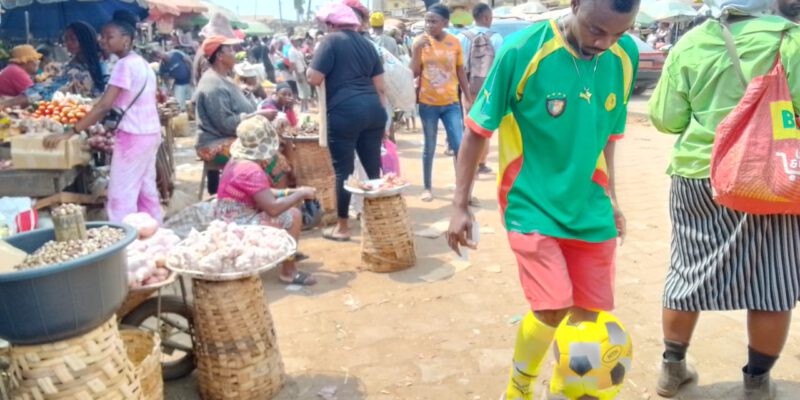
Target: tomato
80,114
73,121
71,114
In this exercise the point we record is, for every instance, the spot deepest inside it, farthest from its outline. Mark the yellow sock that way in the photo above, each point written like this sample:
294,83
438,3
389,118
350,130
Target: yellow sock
533,344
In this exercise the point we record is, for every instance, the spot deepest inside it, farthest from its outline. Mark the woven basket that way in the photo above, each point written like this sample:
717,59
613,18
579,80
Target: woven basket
313,167
134,299
236,348
94,366
387,244
144,351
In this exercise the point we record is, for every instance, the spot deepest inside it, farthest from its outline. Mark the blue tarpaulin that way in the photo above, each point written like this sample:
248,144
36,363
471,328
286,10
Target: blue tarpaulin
49,18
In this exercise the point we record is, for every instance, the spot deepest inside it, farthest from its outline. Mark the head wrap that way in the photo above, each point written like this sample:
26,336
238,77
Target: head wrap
218,25
338,14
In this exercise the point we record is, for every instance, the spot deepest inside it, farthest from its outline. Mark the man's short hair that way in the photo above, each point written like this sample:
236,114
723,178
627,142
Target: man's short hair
623,6
480,9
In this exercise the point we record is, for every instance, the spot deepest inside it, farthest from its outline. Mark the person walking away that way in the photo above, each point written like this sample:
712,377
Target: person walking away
558,93
299,68
176,67
437,59
789,9
132,87
479,45
376,22
724,259
353,74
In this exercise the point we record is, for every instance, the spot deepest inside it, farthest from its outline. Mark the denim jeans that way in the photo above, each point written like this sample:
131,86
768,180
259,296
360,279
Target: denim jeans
450,115
183,93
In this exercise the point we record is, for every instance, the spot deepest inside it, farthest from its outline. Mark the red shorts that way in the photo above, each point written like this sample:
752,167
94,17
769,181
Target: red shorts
560,273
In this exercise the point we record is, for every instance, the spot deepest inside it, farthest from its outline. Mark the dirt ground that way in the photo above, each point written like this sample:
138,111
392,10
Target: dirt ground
445,329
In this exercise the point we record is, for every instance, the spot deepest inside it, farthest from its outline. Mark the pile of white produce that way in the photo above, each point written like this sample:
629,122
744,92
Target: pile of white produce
147,256
231,248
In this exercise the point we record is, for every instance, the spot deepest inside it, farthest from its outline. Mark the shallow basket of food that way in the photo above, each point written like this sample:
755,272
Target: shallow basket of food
61,300
389,185
229,251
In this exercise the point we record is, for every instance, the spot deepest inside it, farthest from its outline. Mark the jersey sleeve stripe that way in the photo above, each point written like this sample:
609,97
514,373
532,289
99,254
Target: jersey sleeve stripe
479,130
627,68
547,48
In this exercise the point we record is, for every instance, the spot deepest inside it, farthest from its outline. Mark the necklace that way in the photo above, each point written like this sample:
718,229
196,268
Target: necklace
586,94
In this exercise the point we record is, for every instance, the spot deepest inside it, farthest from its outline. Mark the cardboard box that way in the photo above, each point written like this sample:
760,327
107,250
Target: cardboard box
28,152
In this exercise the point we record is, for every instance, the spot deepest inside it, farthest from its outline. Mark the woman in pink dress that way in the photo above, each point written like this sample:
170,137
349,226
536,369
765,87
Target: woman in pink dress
131,88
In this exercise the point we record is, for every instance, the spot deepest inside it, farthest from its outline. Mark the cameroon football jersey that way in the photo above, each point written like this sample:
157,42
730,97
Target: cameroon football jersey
555,113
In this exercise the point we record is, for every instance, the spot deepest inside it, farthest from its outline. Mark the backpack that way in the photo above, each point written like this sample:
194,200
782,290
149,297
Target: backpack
481,57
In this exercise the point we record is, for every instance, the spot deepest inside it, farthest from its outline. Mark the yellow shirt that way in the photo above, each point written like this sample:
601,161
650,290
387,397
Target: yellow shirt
439,81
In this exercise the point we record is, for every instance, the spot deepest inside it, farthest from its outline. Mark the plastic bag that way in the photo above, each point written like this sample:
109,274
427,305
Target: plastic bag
390,161
397,76
755,164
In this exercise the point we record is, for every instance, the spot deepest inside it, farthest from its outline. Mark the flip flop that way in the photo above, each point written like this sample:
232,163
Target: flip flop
330,236
300,278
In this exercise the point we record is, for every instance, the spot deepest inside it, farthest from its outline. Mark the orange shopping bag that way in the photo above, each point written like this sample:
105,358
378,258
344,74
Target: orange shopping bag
755,163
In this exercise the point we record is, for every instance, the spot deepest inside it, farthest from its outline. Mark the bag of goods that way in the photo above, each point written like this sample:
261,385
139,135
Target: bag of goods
400,94
231,248
144,224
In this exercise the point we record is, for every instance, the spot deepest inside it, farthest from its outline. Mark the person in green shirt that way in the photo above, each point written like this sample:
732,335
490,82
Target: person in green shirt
723,259
558,92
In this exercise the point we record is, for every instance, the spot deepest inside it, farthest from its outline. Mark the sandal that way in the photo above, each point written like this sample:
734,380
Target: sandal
300,278
330,235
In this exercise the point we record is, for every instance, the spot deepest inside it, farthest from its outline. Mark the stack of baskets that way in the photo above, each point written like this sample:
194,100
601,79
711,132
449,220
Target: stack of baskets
313,167
91,366
144,351
388,243
236,347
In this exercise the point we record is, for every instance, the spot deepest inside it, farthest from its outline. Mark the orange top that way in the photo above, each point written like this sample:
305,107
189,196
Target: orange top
439,81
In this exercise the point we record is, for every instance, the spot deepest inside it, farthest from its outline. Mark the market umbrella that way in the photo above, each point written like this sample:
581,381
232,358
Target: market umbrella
668,11
256,28
46,19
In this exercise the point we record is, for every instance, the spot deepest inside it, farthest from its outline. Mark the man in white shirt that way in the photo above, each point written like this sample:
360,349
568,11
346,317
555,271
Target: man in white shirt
482,15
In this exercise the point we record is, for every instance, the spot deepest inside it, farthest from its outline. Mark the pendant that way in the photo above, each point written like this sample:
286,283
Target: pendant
586,95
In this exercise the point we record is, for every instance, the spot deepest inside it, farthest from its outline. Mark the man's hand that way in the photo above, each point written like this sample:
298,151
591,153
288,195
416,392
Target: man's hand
308,193
459,234
620,222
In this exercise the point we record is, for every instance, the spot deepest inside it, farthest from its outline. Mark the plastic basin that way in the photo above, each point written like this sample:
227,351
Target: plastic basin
63,300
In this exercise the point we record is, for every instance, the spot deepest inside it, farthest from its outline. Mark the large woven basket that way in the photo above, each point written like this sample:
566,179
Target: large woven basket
144,351
236,347
387,244
92,366
313,167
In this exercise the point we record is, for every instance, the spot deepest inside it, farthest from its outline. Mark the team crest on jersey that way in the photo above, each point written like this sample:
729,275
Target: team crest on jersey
556,104
611,102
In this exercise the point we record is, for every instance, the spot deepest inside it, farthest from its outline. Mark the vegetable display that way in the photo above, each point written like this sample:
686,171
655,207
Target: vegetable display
231,248
147,256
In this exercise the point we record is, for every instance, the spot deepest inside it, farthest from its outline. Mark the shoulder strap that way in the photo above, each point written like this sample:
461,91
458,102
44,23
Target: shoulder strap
731,47
135,99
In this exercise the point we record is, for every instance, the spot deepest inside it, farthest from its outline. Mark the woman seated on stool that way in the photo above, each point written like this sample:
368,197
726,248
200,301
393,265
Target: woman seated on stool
245,195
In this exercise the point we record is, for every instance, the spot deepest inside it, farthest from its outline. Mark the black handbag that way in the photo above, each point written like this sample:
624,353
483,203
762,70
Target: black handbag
115,115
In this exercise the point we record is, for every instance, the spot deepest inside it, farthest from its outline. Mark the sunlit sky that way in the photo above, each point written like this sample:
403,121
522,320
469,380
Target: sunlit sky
266,7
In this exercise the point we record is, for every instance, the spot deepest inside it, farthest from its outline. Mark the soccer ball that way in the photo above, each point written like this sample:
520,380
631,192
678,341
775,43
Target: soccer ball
592,358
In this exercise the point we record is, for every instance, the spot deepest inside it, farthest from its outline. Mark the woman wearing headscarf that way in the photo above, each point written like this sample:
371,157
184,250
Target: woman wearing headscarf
220,105
132,87
246,195
724,259
353,75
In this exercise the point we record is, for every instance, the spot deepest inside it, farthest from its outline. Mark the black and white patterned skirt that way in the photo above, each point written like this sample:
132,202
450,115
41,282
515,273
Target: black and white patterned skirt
727,260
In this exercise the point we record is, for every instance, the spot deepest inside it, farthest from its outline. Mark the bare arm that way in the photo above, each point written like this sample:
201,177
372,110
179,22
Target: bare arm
16,101
416,57
266,201
380,86
462,81
460,231
619,218
315,78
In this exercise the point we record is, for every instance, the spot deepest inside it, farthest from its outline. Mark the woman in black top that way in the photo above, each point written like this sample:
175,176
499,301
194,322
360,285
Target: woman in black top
353,75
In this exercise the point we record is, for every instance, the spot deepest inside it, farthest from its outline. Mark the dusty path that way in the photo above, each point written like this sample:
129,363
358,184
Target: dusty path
445,330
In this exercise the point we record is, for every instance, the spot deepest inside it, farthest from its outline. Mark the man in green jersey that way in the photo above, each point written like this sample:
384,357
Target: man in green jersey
558,93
